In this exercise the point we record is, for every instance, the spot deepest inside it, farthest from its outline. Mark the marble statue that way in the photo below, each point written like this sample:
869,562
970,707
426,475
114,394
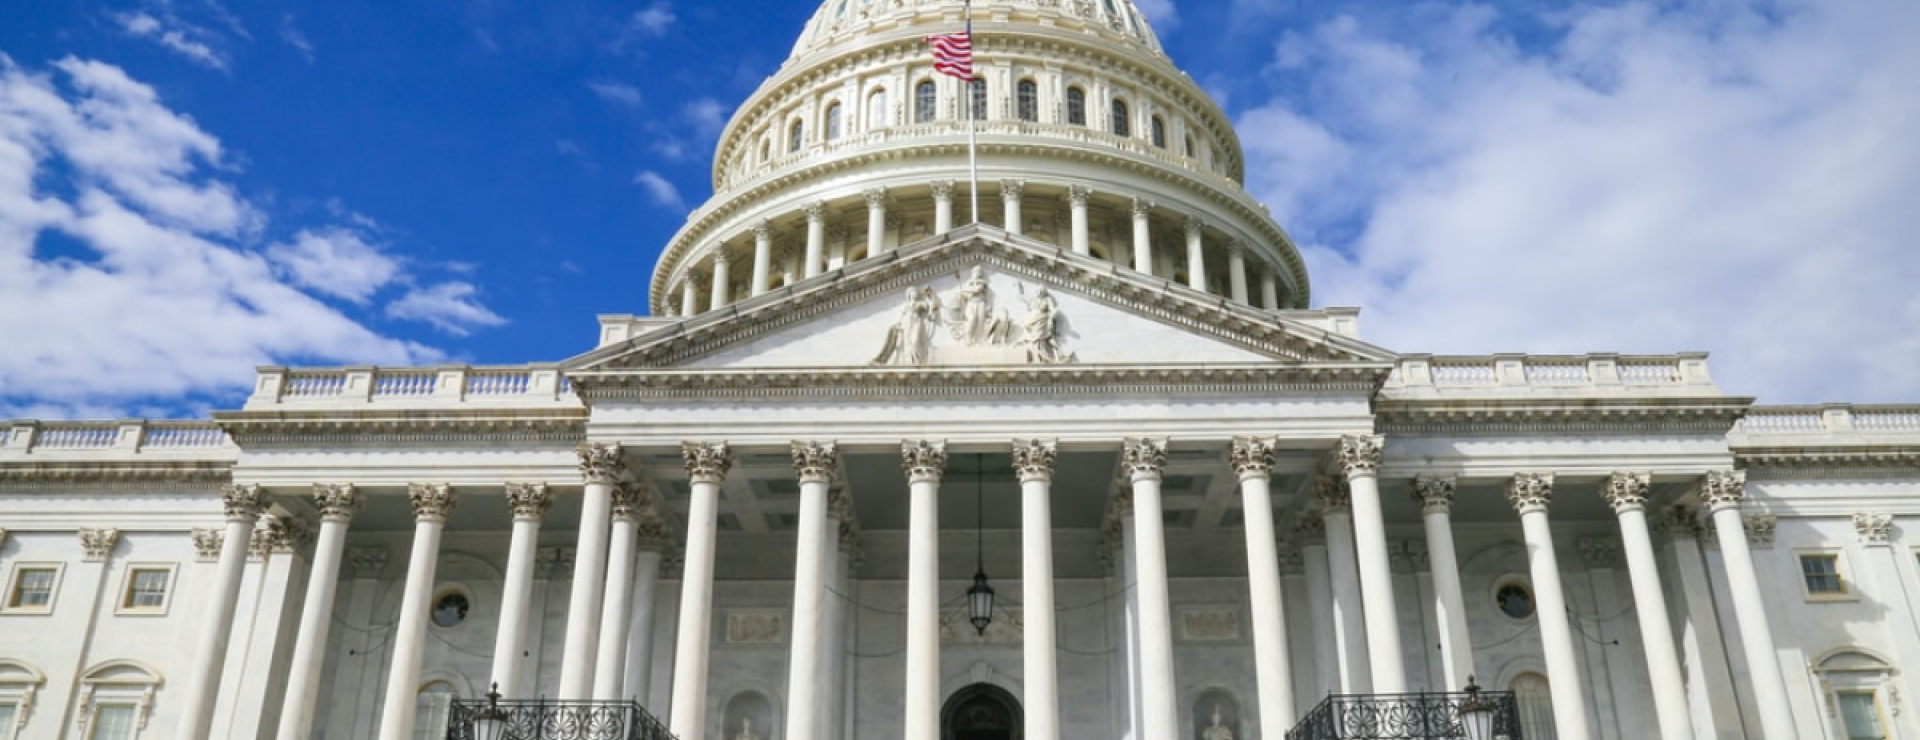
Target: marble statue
911,335
1040,332
970,312
1216,731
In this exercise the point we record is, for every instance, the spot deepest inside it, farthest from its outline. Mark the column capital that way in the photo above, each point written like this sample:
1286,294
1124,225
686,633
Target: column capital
1144,457
1011,190
97,544
630,500
600,463
1434,494
207,542
706,462
762,229
1252,457
276,534
652,534
1626,491
1122,502
1530,492
719,260
1875,528
1359,454
337,501
1236,248
432,502
529,501
839,502
815,462
1033,459
1195,226
1760,528
1679,521
367,562
1142,207
848,537
942,189
1409,556
1312,530
1333,495
876,198
554,562
816,211
1723,489
1078,195
924,460
243,501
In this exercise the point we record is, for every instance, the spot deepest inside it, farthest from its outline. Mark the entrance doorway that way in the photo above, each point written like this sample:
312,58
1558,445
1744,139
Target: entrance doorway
981,711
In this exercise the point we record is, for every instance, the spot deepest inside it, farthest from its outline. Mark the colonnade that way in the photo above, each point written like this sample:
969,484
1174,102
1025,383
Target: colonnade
1348,574
711,286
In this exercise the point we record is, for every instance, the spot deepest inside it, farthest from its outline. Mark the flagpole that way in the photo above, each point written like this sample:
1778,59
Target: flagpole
973,156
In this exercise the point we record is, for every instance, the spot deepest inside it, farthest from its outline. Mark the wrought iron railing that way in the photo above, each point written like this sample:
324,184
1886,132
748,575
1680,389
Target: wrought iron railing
1402,717
540,719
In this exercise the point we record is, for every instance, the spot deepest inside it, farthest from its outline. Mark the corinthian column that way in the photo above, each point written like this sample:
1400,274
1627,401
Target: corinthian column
942,206
1252,459
431,505
816,253
1435,497
814,463
529,502
1722,491
1530,493
722,293
1269,290
1077,197
1010,191
1349,630
1237,272
1144,459
876,221
762,258
610,662
1627,493
601,467
1196,254
244,504
707,466
1142,239
1360,459
337,503
925,462
1033,461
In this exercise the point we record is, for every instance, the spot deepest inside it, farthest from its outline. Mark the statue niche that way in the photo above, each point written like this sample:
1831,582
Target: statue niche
1216,716
977,332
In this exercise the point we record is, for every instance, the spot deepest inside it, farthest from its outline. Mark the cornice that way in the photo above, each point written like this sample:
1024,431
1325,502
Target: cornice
1480,418
367,428
1850,463
833,384
138,474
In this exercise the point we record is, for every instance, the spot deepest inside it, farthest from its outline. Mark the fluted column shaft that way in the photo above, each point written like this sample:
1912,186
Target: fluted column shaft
814,463
943,206
1360,457
1530,493
1077,197
1349,630
243,503
431,505
1435,497
1010,192
530,503
1237,273
1326,643
1269,291
337,504
815,258
707,466
1144,459
1033,461
924,463
876,222
601,466
1142,239
1196,255
689,296
762,278
610,658
646,588
721,295
1627,493
1722,492
1273,667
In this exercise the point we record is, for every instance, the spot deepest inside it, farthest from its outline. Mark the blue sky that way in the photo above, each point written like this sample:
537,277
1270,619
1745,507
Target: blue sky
191,188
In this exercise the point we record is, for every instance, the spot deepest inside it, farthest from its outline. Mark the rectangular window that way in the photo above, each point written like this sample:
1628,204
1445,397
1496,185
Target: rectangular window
1860,712
112,722
146,589
33,587
1821,573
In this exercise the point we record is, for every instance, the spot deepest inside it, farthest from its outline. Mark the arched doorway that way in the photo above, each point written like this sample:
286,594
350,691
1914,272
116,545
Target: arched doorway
981,711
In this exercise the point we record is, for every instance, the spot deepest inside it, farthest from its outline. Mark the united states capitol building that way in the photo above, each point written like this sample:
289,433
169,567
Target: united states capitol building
763,506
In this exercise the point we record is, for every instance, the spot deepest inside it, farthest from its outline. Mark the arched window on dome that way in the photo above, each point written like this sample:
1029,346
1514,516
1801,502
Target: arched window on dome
977,99
796,135
1076,106
1535,697
923,101
1027,97
431,709
833,121
877,108
766,149
1120,115
1188,151
1157,127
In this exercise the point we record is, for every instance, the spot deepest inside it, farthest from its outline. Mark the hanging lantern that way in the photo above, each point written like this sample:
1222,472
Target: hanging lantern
980,602
1476,716
492,722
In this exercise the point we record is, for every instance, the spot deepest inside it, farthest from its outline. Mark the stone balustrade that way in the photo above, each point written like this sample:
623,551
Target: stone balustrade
1830,420
413,386
28,436
1597,374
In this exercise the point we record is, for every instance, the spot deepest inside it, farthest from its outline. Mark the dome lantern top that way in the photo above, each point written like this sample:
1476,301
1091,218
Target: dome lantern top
837,20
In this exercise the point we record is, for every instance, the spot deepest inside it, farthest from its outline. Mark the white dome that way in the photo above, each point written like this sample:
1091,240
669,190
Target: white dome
837,20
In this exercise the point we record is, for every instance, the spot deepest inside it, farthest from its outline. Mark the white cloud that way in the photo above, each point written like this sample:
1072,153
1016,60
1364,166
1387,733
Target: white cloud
707,115
179,39
654,21
615,92
153,299
448,306
662,192
1161,13
335,261
292,36
1658,179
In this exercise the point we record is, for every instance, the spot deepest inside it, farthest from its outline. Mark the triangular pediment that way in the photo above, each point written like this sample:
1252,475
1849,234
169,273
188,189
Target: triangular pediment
980,298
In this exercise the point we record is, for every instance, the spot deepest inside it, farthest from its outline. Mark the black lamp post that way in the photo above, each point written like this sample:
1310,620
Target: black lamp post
1476,716
492,722
980,596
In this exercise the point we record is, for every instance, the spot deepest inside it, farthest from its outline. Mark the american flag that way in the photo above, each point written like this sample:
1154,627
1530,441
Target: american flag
953,54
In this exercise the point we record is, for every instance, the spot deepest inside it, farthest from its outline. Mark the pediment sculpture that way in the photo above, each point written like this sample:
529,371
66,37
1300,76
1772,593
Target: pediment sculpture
972,321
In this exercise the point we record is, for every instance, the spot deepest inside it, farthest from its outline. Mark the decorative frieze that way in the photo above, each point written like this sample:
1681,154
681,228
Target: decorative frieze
707,462
601,463
1252,457
1209,625
1875,528
1760,529
1359,454
431,501
1434,494
529,501
923,460
1333,495
1033,459
1626,491
97,544
753,628
1530,492
1143,458
337,501
366,563
815,462
1599,553
1723,489
243,502
206,543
